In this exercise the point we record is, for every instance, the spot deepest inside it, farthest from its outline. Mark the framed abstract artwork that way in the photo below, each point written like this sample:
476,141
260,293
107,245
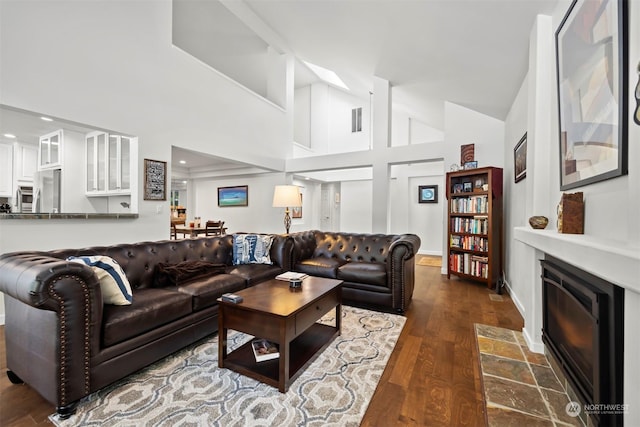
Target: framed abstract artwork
233,196
427,194
592,92
520,159
155,180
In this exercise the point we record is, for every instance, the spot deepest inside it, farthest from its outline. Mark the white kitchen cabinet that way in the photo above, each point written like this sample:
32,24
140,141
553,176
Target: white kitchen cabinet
119,170
50,154
6,170
25,158
108,164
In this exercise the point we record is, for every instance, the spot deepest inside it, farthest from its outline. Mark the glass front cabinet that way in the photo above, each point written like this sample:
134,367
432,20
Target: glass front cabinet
108,159
50,154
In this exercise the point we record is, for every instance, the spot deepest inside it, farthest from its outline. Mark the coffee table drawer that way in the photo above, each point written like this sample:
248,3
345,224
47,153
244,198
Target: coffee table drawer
314,312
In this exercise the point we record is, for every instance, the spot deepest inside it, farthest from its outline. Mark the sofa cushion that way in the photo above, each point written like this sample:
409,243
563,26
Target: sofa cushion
185,272
373,273
151,307
320,266
251,248
255,273
114,284
205,292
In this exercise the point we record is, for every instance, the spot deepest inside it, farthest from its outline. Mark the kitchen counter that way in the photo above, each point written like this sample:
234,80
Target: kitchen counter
68,216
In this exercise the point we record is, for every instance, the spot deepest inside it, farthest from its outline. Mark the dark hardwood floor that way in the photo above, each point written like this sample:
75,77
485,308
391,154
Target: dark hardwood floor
432,378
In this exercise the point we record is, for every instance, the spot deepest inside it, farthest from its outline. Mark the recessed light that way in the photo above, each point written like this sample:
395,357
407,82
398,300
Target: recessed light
9,135
182,162
46,119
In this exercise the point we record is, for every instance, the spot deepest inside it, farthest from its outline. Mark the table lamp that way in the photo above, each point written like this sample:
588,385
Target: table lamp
286,196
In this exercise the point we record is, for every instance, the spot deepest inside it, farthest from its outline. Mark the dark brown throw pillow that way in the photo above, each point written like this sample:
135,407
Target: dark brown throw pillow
185,272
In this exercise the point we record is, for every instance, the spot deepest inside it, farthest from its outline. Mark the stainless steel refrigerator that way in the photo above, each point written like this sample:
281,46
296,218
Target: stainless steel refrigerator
46,191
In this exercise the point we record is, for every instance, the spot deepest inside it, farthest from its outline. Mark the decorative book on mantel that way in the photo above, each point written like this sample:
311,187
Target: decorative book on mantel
264,350
291,275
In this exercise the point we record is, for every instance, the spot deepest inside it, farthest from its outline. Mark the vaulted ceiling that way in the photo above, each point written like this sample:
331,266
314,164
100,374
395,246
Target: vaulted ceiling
470,52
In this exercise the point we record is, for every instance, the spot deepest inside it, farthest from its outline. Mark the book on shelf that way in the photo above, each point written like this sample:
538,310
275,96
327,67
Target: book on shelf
291,275
264,350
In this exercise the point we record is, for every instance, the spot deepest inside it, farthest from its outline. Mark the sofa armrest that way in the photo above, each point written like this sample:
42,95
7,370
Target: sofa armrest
282,251
36,283
401,269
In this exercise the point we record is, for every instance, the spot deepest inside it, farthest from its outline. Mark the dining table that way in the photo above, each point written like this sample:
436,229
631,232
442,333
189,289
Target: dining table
191,231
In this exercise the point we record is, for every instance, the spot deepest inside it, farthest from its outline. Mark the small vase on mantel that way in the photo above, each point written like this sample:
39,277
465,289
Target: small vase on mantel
538,222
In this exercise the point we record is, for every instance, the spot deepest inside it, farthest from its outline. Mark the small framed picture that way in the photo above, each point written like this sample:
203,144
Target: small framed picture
520,159
478,183
427,194
468,187
457,188
155,180
471,165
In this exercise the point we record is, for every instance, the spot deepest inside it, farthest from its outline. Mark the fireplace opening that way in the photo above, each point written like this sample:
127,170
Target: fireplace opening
583,330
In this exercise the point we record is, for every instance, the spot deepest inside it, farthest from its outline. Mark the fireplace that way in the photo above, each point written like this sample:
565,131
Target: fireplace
583,329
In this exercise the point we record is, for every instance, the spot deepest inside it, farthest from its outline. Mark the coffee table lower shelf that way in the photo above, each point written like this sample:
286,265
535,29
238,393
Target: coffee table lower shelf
303,350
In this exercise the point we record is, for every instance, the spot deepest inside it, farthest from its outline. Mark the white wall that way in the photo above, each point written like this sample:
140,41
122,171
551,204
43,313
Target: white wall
355,206
515,194
258,216
427,220
465,126
302,116
148,88
78,61
406,130
341,139
611,207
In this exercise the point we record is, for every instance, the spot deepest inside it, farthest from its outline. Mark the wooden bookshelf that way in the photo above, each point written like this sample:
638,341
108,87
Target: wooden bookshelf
474,230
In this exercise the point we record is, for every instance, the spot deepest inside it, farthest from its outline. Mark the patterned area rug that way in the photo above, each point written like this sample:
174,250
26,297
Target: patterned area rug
188,388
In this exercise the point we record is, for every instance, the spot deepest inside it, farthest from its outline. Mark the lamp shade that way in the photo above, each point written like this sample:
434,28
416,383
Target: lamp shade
286,196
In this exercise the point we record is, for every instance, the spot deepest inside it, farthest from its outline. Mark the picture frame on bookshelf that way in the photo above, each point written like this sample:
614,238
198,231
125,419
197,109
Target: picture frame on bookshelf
457,188
467,153
520,159
478,183
592,92
468,187
427,194
471,165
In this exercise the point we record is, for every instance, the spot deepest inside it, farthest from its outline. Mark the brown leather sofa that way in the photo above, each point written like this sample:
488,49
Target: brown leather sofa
377,269
65,343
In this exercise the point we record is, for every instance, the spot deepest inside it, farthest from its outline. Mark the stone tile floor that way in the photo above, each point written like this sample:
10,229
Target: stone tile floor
520,388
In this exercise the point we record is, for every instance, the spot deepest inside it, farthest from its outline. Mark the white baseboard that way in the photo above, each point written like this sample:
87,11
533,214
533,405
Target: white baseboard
536,347
433,253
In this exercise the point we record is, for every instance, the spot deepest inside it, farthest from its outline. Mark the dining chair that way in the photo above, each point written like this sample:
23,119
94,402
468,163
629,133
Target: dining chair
214,228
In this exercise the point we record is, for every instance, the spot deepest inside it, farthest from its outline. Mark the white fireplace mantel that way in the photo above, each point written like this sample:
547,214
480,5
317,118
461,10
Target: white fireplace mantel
615,261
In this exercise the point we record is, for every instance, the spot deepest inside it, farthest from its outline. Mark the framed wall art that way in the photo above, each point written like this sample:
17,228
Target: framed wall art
233,196
520,159
155,180
427,194
296,211
592,87
467,153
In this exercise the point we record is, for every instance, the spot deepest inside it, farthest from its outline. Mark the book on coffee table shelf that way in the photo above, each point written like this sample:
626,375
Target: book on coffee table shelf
264,350
291,275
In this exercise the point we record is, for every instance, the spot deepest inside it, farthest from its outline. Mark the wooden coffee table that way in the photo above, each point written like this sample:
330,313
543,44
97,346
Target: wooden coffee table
273,311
